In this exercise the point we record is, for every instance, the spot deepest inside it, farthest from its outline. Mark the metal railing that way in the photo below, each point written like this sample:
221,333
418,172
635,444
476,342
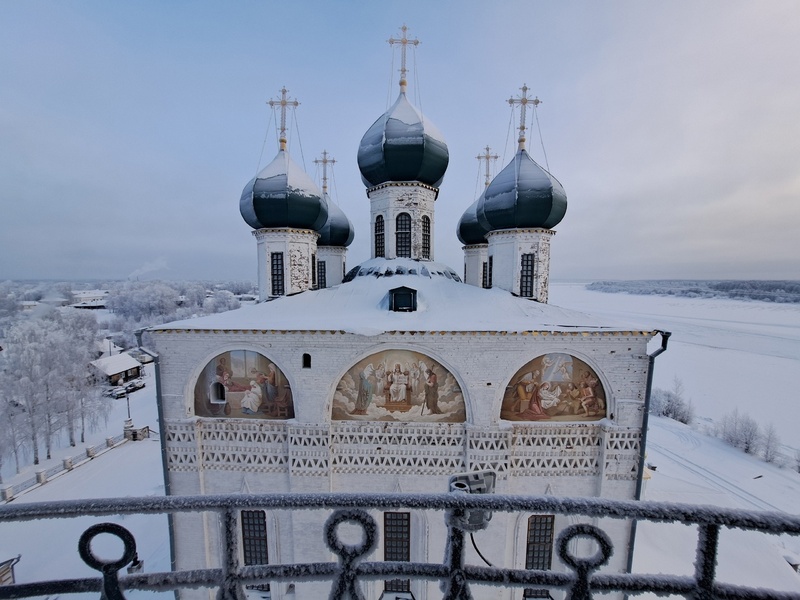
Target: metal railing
352,567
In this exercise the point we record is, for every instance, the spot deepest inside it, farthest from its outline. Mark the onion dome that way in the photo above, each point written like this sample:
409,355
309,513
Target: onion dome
470,230
337,230
282,195
522,195
403,145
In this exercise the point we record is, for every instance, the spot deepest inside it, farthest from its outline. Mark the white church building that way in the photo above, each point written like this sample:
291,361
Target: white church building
395,375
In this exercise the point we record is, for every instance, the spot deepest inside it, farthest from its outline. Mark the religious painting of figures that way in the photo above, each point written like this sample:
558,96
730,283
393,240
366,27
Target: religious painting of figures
399,385
242,384
554,387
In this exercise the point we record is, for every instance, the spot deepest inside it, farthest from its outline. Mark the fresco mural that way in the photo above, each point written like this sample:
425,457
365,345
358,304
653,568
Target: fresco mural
243,384
554,387
399,385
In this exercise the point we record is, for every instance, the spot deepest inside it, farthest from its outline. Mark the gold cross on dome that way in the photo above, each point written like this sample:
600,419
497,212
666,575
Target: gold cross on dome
487,156
523,101
404,42
283,103
325,161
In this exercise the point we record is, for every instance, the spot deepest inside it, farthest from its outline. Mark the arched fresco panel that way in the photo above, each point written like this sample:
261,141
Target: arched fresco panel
398,385
243,384
554,387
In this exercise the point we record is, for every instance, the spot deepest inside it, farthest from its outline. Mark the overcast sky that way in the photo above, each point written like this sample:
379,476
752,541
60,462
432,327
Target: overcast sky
128,129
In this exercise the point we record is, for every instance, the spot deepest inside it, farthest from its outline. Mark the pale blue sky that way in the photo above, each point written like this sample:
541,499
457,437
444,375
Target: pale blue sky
128,130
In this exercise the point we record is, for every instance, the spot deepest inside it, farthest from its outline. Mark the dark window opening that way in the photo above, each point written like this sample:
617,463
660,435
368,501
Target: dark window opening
526,276
539,549
489,272
217,395
485,275
277,274
254,542
313,271
306,361
322,275
397,546
403,299
426,237
403,235
380,247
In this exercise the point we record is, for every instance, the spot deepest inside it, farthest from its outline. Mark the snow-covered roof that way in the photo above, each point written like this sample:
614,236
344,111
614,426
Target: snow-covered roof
111,365
361,306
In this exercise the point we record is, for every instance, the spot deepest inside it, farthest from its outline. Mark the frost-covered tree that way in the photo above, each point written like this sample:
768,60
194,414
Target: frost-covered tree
672,403
741,431
45,375
770,443
221,301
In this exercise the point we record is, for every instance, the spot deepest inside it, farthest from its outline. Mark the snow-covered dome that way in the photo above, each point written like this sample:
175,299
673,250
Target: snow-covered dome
402,145
389,267
470,230
522,195
282,195
337,230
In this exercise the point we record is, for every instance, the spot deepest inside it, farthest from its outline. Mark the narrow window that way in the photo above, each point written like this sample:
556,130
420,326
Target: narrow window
277,274
380,249
254,542
539,549
397,546
489,272
306,361
322,276
313,271
526,276
426,237
485,276
403,235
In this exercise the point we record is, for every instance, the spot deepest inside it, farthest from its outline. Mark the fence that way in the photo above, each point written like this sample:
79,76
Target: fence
10,492
352,568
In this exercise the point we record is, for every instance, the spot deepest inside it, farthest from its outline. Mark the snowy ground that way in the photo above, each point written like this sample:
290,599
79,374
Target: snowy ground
728,354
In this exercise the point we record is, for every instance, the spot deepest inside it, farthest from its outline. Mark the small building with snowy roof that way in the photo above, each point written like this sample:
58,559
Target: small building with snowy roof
118,368
403,375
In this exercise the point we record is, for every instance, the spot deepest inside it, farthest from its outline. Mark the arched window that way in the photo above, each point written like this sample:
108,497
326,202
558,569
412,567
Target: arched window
426,237
403,235
380,249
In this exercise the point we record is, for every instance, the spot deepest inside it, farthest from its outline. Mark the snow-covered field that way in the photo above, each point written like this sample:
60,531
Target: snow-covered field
729,354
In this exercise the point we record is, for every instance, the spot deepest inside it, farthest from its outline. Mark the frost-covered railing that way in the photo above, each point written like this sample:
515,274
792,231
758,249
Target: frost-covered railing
352,567
7,492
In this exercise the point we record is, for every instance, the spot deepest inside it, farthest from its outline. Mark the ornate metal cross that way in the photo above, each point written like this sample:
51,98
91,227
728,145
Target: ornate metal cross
283,103
404,42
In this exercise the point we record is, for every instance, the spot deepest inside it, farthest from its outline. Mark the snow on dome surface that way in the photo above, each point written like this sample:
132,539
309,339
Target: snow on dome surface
523,194
402,145
361,306
283,195
470,230
337,230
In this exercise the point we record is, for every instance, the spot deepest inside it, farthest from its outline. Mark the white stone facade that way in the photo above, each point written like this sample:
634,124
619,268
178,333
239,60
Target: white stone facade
335,268
507,247
391,199
312,453
298,248
475,257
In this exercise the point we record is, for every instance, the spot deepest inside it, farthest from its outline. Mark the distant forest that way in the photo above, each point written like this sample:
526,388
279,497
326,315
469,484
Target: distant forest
785,292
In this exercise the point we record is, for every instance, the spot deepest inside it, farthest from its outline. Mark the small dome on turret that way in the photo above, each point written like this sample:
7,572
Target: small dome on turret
470,230
402,145
337,230
522,195
282,195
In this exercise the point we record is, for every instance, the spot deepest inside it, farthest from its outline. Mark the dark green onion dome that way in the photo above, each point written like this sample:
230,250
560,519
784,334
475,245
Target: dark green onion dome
522,195
337,230
469,230
402,146
282,195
